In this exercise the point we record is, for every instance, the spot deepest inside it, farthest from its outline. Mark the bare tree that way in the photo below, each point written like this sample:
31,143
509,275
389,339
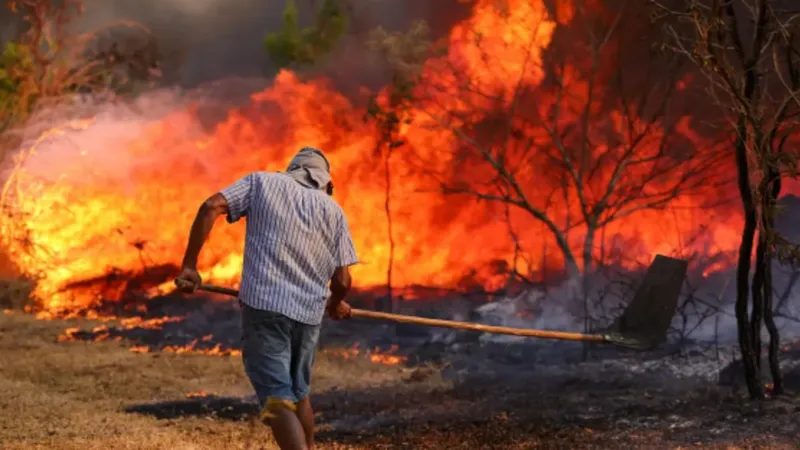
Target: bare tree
575,141
49,61
750,54
391,108
39,66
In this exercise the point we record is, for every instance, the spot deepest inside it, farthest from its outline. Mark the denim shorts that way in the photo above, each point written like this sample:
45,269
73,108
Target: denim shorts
278,353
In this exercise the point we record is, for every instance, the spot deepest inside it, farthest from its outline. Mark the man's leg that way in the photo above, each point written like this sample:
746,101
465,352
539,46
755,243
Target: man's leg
304,347
286,428
266,353
305,413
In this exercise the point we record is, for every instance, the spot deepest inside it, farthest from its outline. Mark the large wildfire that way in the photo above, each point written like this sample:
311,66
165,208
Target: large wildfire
103,198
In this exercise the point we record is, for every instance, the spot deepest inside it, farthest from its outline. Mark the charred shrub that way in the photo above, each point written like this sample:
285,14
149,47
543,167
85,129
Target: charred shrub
15,292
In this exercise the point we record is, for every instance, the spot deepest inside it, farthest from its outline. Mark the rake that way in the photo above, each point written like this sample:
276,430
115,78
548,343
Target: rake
642,326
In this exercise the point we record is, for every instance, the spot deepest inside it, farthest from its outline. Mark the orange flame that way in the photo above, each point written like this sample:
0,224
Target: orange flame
103,195
375,356
197,394
68,334
192,348
103,332
387,358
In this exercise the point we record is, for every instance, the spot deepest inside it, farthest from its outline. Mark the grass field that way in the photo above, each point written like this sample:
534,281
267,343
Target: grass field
100,395
77,394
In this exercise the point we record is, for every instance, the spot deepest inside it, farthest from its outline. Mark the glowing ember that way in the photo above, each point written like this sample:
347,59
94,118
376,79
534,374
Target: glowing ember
114,195
387,360
103,332
68,334
376,356
153,324
114,332
197,395
788,346
192,348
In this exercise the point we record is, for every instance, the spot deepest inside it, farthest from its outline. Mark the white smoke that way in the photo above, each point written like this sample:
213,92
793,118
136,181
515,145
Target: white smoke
88,137
706,311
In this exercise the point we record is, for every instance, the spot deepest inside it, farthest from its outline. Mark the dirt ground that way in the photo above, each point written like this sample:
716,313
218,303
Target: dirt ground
93,395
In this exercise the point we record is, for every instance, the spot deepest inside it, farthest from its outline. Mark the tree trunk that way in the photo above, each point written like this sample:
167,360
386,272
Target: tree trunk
570,263
387,208
757,293
768,219
588,246
754,386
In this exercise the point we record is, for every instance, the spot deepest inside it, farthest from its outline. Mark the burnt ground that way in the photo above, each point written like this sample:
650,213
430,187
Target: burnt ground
456,390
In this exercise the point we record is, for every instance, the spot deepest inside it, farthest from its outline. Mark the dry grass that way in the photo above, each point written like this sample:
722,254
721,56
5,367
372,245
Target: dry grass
82,395
74,394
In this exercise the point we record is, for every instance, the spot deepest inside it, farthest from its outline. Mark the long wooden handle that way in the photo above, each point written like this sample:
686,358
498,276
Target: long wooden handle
545,334
363,313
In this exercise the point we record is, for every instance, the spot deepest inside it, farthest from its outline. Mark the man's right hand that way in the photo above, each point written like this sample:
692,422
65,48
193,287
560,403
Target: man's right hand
189,280
340,311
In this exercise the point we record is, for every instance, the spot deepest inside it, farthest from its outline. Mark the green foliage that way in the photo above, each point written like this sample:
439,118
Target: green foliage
14,58
294,45
406,54
15,62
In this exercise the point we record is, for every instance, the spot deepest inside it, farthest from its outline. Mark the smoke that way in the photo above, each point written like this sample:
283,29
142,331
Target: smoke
207,40
215,59
89,139
705,316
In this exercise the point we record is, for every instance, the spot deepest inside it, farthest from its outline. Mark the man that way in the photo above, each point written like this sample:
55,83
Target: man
297,241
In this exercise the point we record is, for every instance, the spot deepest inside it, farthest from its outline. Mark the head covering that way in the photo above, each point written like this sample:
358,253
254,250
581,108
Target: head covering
310,168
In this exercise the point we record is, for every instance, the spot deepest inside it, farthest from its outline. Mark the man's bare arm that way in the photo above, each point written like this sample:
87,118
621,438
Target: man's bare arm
209,211
340,286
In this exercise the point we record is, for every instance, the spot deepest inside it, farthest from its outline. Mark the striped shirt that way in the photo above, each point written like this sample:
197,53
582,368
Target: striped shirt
295,238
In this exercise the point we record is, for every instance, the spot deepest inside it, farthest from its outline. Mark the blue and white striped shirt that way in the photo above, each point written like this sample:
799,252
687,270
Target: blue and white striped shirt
295,238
